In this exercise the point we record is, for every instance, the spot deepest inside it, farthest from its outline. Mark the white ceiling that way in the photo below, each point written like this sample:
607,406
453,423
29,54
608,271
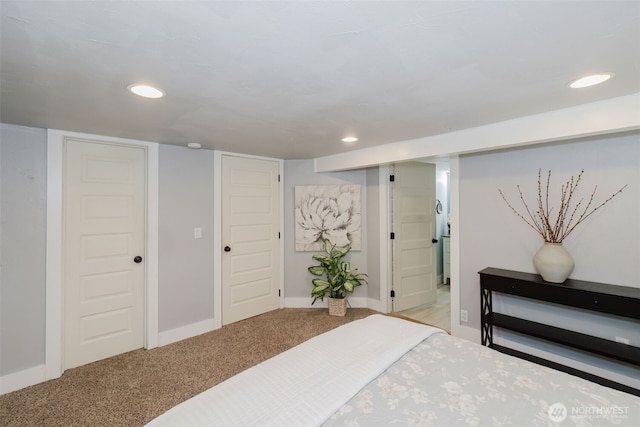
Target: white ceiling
289,79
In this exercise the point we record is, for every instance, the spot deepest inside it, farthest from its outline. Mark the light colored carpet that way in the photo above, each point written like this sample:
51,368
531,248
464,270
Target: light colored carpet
133,388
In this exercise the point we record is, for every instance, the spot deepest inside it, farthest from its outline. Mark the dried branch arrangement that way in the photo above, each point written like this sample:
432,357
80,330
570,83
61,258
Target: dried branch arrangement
555,227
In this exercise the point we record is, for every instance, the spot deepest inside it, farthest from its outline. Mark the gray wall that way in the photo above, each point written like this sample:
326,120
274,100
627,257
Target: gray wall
186,264
297,278
23,189
185,200
606,247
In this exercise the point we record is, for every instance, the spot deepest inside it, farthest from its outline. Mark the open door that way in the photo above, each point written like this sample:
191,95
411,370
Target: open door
414,229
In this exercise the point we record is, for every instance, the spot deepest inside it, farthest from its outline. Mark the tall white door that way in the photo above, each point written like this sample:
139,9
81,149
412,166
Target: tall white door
104,232
414,227
250,237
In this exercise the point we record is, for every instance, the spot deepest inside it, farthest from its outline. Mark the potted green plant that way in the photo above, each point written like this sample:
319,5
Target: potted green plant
336,280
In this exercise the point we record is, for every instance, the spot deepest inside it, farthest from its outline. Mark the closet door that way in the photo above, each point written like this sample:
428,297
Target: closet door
104,241
250,237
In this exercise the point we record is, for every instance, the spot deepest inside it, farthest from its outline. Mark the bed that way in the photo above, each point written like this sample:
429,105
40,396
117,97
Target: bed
385,371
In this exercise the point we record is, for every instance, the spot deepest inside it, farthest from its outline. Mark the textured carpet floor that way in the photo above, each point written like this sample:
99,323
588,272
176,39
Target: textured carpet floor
133,388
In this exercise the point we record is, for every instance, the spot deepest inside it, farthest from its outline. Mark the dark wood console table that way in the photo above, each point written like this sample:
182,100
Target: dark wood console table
598,297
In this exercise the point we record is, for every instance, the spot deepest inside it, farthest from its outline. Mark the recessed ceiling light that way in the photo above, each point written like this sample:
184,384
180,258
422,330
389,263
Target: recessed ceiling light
145,91
194,145
591,80
349,139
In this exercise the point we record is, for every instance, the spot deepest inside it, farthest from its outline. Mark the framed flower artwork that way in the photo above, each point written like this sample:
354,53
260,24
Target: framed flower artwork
327,211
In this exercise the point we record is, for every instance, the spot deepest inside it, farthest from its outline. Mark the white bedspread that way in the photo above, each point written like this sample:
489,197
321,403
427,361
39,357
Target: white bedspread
299,387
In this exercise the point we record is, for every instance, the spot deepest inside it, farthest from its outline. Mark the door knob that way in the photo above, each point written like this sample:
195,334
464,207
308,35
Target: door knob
137,259
434,240
227,249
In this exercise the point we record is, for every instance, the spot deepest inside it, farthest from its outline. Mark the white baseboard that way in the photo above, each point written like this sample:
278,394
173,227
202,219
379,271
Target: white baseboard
184,332
305,302
36,375
22,379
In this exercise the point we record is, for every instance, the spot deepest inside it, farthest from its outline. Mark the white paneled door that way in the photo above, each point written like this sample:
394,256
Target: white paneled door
414,227
104,229
250,237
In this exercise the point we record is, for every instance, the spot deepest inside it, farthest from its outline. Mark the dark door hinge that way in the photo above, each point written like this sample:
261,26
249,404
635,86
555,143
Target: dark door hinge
393,293
393,236
278,292
392,178
278,177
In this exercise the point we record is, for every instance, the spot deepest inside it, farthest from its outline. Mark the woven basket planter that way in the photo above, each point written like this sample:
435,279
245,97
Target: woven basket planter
337,307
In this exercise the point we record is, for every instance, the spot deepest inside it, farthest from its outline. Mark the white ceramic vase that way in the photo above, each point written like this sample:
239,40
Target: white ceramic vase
553,262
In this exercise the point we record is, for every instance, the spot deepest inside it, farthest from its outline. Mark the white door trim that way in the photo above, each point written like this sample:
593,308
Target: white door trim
385,244
458,329
54,301
217,230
